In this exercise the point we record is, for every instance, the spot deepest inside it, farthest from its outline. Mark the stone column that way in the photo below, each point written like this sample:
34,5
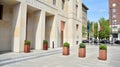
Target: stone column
69,29
53,35
40,32
19,27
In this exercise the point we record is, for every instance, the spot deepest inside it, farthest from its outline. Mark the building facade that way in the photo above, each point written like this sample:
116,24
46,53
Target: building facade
84,21
56,21
114,16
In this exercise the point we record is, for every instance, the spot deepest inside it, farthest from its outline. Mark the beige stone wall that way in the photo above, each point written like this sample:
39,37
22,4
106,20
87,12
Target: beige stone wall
84,17
84,21
5,29
44,22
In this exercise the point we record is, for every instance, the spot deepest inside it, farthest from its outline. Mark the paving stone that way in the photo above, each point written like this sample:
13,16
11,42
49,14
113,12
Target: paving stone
54,58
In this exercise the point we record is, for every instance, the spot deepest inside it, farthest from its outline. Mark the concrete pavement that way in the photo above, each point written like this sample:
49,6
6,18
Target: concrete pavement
54,58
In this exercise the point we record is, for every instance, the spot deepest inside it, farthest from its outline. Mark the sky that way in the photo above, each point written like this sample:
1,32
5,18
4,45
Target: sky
97,9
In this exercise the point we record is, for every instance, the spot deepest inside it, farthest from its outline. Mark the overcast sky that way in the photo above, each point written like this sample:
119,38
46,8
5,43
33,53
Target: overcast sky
97,9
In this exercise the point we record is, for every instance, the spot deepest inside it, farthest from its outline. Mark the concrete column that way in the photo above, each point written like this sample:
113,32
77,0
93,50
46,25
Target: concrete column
69,26
19,27
40,32
53,36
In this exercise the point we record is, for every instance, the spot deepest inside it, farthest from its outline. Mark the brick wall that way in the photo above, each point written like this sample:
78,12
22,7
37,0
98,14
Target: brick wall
114,12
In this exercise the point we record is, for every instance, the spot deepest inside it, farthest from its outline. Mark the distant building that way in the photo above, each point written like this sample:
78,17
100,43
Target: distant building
114,16
84,20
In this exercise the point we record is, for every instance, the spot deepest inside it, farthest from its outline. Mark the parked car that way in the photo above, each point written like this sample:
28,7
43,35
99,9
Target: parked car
96,41
117,42
105,41
108,42
85,41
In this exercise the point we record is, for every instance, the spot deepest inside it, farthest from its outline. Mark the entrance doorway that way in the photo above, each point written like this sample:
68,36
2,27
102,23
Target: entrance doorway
31,25
6,29
49,29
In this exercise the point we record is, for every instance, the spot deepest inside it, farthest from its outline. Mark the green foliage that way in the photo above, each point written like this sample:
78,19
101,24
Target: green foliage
84,30
27,42
105,29
66,44
95,30
45,42
102,47
119,30
82,45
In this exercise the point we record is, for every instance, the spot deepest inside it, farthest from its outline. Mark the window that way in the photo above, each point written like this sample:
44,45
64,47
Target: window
115,35
114,4
113,10
1,12
114,22
63,3
77,27
54,2
77,42
114,16
114,28
77,10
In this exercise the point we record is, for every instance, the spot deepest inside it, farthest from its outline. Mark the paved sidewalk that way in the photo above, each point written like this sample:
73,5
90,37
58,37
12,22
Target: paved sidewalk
54,58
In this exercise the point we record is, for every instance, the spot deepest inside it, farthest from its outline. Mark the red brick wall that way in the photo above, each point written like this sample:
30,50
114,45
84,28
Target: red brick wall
117,13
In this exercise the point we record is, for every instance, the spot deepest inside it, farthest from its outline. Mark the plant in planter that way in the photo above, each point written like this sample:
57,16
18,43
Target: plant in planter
27,46
45,45
66,48
103,52
82,50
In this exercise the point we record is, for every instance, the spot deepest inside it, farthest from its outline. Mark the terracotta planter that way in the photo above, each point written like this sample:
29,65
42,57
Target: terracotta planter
81,52
103,54
26,48
45,46
66,51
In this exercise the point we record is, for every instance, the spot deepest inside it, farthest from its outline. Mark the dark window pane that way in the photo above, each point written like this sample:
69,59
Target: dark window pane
54,2
1,11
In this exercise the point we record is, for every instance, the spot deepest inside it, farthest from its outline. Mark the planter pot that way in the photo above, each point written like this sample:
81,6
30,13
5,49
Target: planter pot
81,52
66,51
45,46
26,48
103,54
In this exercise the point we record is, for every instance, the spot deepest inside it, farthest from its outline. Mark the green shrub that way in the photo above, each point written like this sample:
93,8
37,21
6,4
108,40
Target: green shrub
103,47
82,45
27,42
66,44
45,42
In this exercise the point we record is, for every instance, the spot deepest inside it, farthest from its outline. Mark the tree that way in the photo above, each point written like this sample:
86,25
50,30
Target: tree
105,28
95,30
119,30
